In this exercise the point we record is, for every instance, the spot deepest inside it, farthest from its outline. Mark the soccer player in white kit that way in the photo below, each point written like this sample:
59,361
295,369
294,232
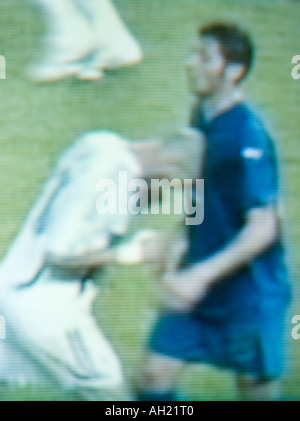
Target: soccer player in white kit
47,289
84,38
51,334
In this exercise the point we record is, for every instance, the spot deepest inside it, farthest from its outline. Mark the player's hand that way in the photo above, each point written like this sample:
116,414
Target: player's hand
187,287
174,303
145,246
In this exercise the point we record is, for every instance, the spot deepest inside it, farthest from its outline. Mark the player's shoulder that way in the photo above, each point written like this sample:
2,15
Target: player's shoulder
248,117
252,127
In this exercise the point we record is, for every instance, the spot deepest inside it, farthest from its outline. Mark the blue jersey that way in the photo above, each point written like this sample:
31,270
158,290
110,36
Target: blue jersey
240,173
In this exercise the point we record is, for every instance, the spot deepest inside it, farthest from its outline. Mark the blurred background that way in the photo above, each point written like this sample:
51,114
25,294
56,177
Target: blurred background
38,121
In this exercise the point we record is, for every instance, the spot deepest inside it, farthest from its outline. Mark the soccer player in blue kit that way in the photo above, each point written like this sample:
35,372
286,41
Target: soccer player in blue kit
228,299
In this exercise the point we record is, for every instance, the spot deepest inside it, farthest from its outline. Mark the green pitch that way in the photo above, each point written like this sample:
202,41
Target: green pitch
39,121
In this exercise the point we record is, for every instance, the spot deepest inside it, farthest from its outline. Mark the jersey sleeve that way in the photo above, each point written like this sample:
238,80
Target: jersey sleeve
258,168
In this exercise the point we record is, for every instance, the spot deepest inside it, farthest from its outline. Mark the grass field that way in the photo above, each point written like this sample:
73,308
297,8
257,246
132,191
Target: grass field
39,121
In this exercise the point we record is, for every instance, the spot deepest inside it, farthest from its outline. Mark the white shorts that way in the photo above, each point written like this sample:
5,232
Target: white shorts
51,336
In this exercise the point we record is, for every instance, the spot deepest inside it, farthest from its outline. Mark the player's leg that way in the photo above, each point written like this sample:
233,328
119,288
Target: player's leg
116,46
82,360
51,326
96,369
260,350
68,40
253,389
176,339
159,377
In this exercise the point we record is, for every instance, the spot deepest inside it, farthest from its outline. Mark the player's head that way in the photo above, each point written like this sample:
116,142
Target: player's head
176,156
182,153
222,53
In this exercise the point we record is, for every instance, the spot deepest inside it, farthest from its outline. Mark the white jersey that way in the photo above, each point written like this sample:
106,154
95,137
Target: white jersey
65,220
51,333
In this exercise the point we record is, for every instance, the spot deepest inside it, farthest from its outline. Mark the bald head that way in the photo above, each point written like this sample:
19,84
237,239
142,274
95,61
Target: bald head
177,156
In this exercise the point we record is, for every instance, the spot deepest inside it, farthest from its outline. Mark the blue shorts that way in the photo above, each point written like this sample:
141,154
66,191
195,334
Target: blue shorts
255,348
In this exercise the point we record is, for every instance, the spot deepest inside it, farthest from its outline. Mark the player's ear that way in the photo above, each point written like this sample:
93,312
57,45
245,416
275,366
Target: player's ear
234,71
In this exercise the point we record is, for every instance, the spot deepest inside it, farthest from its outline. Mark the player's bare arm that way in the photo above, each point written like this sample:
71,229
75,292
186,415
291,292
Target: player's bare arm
259,232
144,246
89,259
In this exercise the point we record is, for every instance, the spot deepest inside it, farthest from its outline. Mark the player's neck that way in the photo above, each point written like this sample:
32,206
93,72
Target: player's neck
221,101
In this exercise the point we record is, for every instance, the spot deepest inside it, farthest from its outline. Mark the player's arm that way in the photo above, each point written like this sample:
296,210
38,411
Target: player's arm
144,246
95,258
259,232
258,193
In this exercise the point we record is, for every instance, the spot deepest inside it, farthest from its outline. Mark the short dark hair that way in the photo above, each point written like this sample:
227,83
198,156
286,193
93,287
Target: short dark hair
235,44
